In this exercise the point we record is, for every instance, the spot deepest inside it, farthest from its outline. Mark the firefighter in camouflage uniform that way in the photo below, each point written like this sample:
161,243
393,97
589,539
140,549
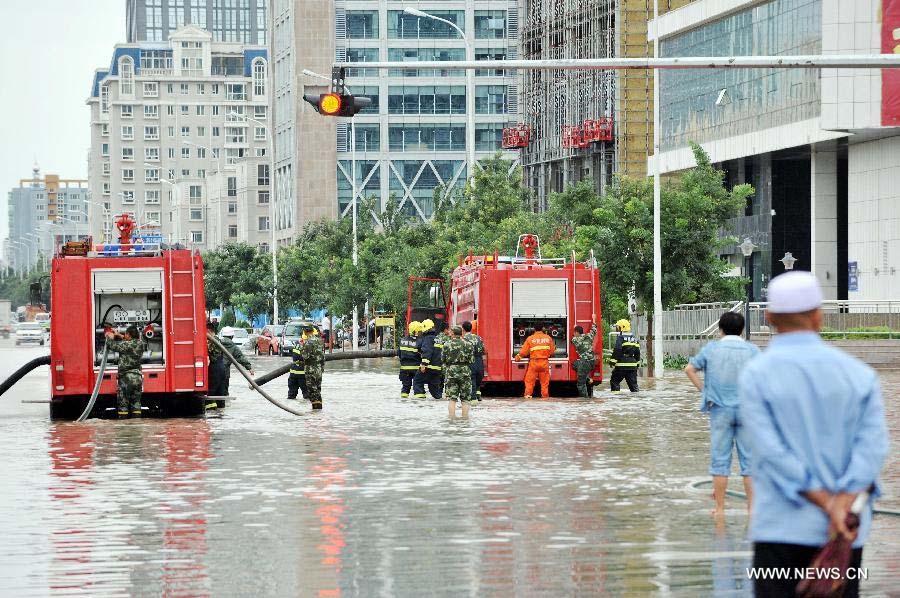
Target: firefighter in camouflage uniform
587,361
130,348
312,354
458,355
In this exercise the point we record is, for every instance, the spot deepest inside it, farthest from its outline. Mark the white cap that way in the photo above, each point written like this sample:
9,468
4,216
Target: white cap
228,331
794,293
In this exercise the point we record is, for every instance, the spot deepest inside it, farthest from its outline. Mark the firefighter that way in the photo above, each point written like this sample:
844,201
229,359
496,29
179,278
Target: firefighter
458,355
587,361
538,347
130,348
312,351
626,356
479,357
234,351
410,360
430,370
216,368
297,375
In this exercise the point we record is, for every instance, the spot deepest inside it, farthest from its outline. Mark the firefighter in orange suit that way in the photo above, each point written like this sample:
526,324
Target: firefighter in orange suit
538,347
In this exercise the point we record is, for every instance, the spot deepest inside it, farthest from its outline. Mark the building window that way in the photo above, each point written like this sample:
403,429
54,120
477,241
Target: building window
488,137
105,188
490,24
201,173
259,77
362,55
427,138
104,150
232,231
259,112
176,14
151,218
185,131
406,26
171,131
201,110
151,90
171,153
368,138
235,92
127,197
201,152
185,152
201,131
170,110
185,110
170,88
128,153
262,175
235,135
126,76
151,111
263,223
127,133
490,99
170,174
260,152
215,110
362,24
196,236
151,154
106,169
201,89
126,111
151,196
104,130
185,172
151,175
215,89
216,131
427,99
232,207
264,248
196,194
232,186
196,214
104,98
155,62
259,134
262,197
185,89
151,133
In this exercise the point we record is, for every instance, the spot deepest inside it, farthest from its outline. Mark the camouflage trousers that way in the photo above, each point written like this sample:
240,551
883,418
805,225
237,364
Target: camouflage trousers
128,394
458,383
584,367
313,391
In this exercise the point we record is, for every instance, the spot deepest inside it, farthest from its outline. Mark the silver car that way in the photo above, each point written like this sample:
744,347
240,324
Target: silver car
291,334
31,332
243,341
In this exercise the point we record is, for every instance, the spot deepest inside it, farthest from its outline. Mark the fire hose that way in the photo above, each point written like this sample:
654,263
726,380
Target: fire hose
96,392
20,373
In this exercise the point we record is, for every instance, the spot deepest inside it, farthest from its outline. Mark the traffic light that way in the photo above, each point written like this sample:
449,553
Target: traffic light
337,104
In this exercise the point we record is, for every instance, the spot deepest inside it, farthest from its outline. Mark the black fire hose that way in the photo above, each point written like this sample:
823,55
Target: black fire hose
281,371
249,379
20,373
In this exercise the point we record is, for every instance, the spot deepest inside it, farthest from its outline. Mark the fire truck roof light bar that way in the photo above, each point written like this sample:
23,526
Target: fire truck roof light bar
856,61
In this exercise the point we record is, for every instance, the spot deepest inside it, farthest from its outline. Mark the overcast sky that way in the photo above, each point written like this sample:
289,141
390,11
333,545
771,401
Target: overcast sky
50,49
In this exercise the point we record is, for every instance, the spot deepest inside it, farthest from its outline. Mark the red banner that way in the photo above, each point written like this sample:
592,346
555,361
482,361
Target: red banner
890,78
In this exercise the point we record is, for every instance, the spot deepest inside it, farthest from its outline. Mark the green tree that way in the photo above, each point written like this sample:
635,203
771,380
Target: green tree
238,275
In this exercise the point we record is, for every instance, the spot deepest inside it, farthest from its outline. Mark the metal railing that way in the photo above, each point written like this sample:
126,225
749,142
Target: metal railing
841,319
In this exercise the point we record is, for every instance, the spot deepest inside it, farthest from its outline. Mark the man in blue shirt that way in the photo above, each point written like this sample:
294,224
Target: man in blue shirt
818,434
722,362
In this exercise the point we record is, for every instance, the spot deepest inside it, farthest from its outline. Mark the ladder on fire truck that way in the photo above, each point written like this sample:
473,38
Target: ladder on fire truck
183,317
580,287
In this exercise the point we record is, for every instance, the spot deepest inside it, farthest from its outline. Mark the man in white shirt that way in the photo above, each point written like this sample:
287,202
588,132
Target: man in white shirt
325,327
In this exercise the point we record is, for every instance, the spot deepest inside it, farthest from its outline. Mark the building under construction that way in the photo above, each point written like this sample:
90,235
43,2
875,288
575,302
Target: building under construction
586,125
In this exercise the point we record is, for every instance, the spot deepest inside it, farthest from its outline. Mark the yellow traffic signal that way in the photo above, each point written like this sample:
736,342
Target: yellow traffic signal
330,104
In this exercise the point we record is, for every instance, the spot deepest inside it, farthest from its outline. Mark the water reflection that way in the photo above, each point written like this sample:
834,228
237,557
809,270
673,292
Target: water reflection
382,497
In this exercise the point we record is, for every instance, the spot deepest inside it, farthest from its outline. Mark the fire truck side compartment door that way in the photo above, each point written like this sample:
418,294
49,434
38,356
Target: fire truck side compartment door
541,298
107,282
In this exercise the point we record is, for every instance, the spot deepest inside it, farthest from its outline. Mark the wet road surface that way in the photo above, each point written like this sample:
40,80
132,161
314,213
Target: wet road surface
378,496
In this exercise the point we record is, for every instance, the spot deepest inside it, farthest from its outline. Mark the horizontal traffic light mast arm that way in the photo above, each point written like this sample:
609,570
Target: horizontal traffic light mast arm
853,61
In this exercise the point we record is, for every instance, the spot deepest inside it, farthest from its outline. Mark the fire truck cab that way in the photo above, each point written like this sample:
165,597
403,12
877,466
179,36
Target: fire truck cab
507,296
116,285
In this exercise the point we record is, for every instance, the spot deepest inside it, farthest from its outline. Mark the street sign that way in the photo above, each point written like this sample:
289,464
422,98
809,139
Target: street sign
853,276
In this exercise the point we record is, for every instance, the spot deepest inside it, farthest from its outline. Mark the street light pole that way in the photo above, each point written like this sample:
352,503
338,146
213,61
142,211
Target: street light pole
270,152
747,248
658,356
470,87
355,256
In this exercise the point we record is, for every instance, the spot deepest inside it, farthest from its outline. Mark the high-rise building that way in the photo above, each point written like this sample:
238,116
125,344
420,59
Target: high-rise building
242,21
164,118
556,104
412,139
821,148
44,212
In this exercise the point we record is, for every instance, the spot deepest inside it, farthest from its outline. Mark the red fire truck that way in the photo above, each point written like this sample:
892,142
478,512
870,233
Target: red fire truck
508,295
116,285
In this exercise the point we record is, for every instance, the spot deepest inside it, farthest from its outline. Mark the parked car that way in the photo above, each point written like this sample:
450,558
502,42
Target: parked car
242,340
30,332
269,340
291,334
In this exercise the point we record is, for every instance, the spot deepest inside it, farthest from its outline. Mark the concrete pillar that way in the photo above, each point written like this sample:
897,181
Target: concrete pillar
823,218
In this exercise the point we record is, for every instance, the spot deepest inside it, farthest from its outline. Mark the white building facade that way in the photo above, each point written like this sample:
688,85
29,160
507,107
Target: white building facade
166,116
822,148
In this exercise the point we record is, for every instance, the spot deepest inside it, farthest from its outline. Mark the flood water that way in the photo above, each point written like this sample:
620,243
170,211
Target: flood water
378,496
